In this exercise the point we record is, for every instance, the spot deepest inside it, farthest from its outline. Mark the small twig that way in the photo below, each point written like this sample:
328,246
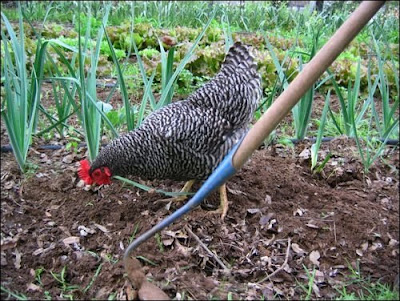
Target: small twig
211,253
282,266
334,231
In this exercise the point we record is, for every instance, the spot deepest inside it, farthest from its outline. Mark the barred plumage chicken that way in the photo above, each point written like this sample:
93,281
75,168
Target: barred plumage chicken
186,140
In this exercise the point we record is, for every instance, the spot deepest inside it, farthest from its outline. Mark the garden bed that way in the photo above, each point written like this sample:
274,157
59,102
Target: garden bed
291,232
339,220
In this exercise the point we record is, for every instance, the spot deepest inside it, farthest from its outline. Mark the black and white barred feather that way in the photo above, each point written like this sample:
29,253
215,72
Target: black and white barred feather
188,139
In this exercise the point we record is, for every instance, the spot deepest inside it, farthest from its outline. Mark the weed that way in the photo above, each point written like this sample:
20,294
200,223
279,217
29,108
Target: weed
308,288
159,242
364,289
38,273
61,279
16,296
93,278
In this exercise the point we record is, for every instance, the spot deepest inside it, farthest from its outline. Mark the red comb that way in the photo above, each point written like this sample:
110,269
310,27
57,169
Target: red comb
83,172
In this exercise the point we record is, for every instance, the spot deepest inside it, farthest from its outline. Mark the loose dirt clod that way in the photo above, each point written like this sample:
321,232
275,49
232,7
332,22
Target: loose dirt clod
146,290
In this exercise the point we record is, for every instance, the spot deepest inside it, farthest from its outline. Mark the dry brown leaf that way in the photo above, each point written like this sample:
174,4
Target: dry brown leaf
102,228
298,212
168,242
33,287
311,225
38,251
253,210
375,246
55,207
319,276
316,290
68,159
314,256
185,251
9,243
235,192
393,242
84,231
180,234
104,292
145,212
8,185
3,259
17,262
364,246
305,154
175,234
71,240
297,249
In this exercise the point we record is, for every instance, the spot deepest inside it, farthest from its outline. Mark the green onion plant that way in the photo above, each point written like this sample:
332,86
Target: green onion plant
348,109
22,92
316,146
302,110
388,123
92,110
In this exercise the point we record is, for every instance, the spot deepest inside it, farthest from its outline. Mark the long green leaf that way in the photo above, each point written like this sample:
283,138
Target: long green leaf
130,121
343,106
146,96
147,188
315,147
167,61
22,96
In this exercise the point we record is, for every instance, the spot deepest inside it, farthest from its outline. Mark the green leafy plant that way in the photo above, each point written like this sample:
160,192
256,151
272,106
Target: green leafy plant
96,274
373,147
16,295
86,21
22,93
106,50
363,288
92,110
129,117
388,123
149,53
315,147
308,288
147,188
160,245
348,108
38,275
167,61
302,110
65,286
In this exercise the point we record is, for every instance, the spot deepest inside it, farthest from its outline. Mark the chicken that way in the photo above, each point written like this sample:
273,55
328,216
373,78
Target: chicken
186,140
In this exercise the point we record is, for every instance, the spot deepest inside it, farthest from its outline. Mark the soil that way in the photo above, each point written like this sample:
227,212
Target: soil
283,222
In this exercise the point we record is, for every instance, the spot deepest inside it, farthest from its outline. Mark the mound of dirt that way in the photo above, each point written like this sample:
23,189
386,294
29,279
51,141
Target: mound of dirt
62,239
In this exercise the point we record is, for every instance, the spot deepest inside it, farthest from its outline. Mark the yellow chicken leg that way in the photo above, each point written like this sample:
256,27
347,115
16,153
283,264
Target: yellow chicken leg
223,209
